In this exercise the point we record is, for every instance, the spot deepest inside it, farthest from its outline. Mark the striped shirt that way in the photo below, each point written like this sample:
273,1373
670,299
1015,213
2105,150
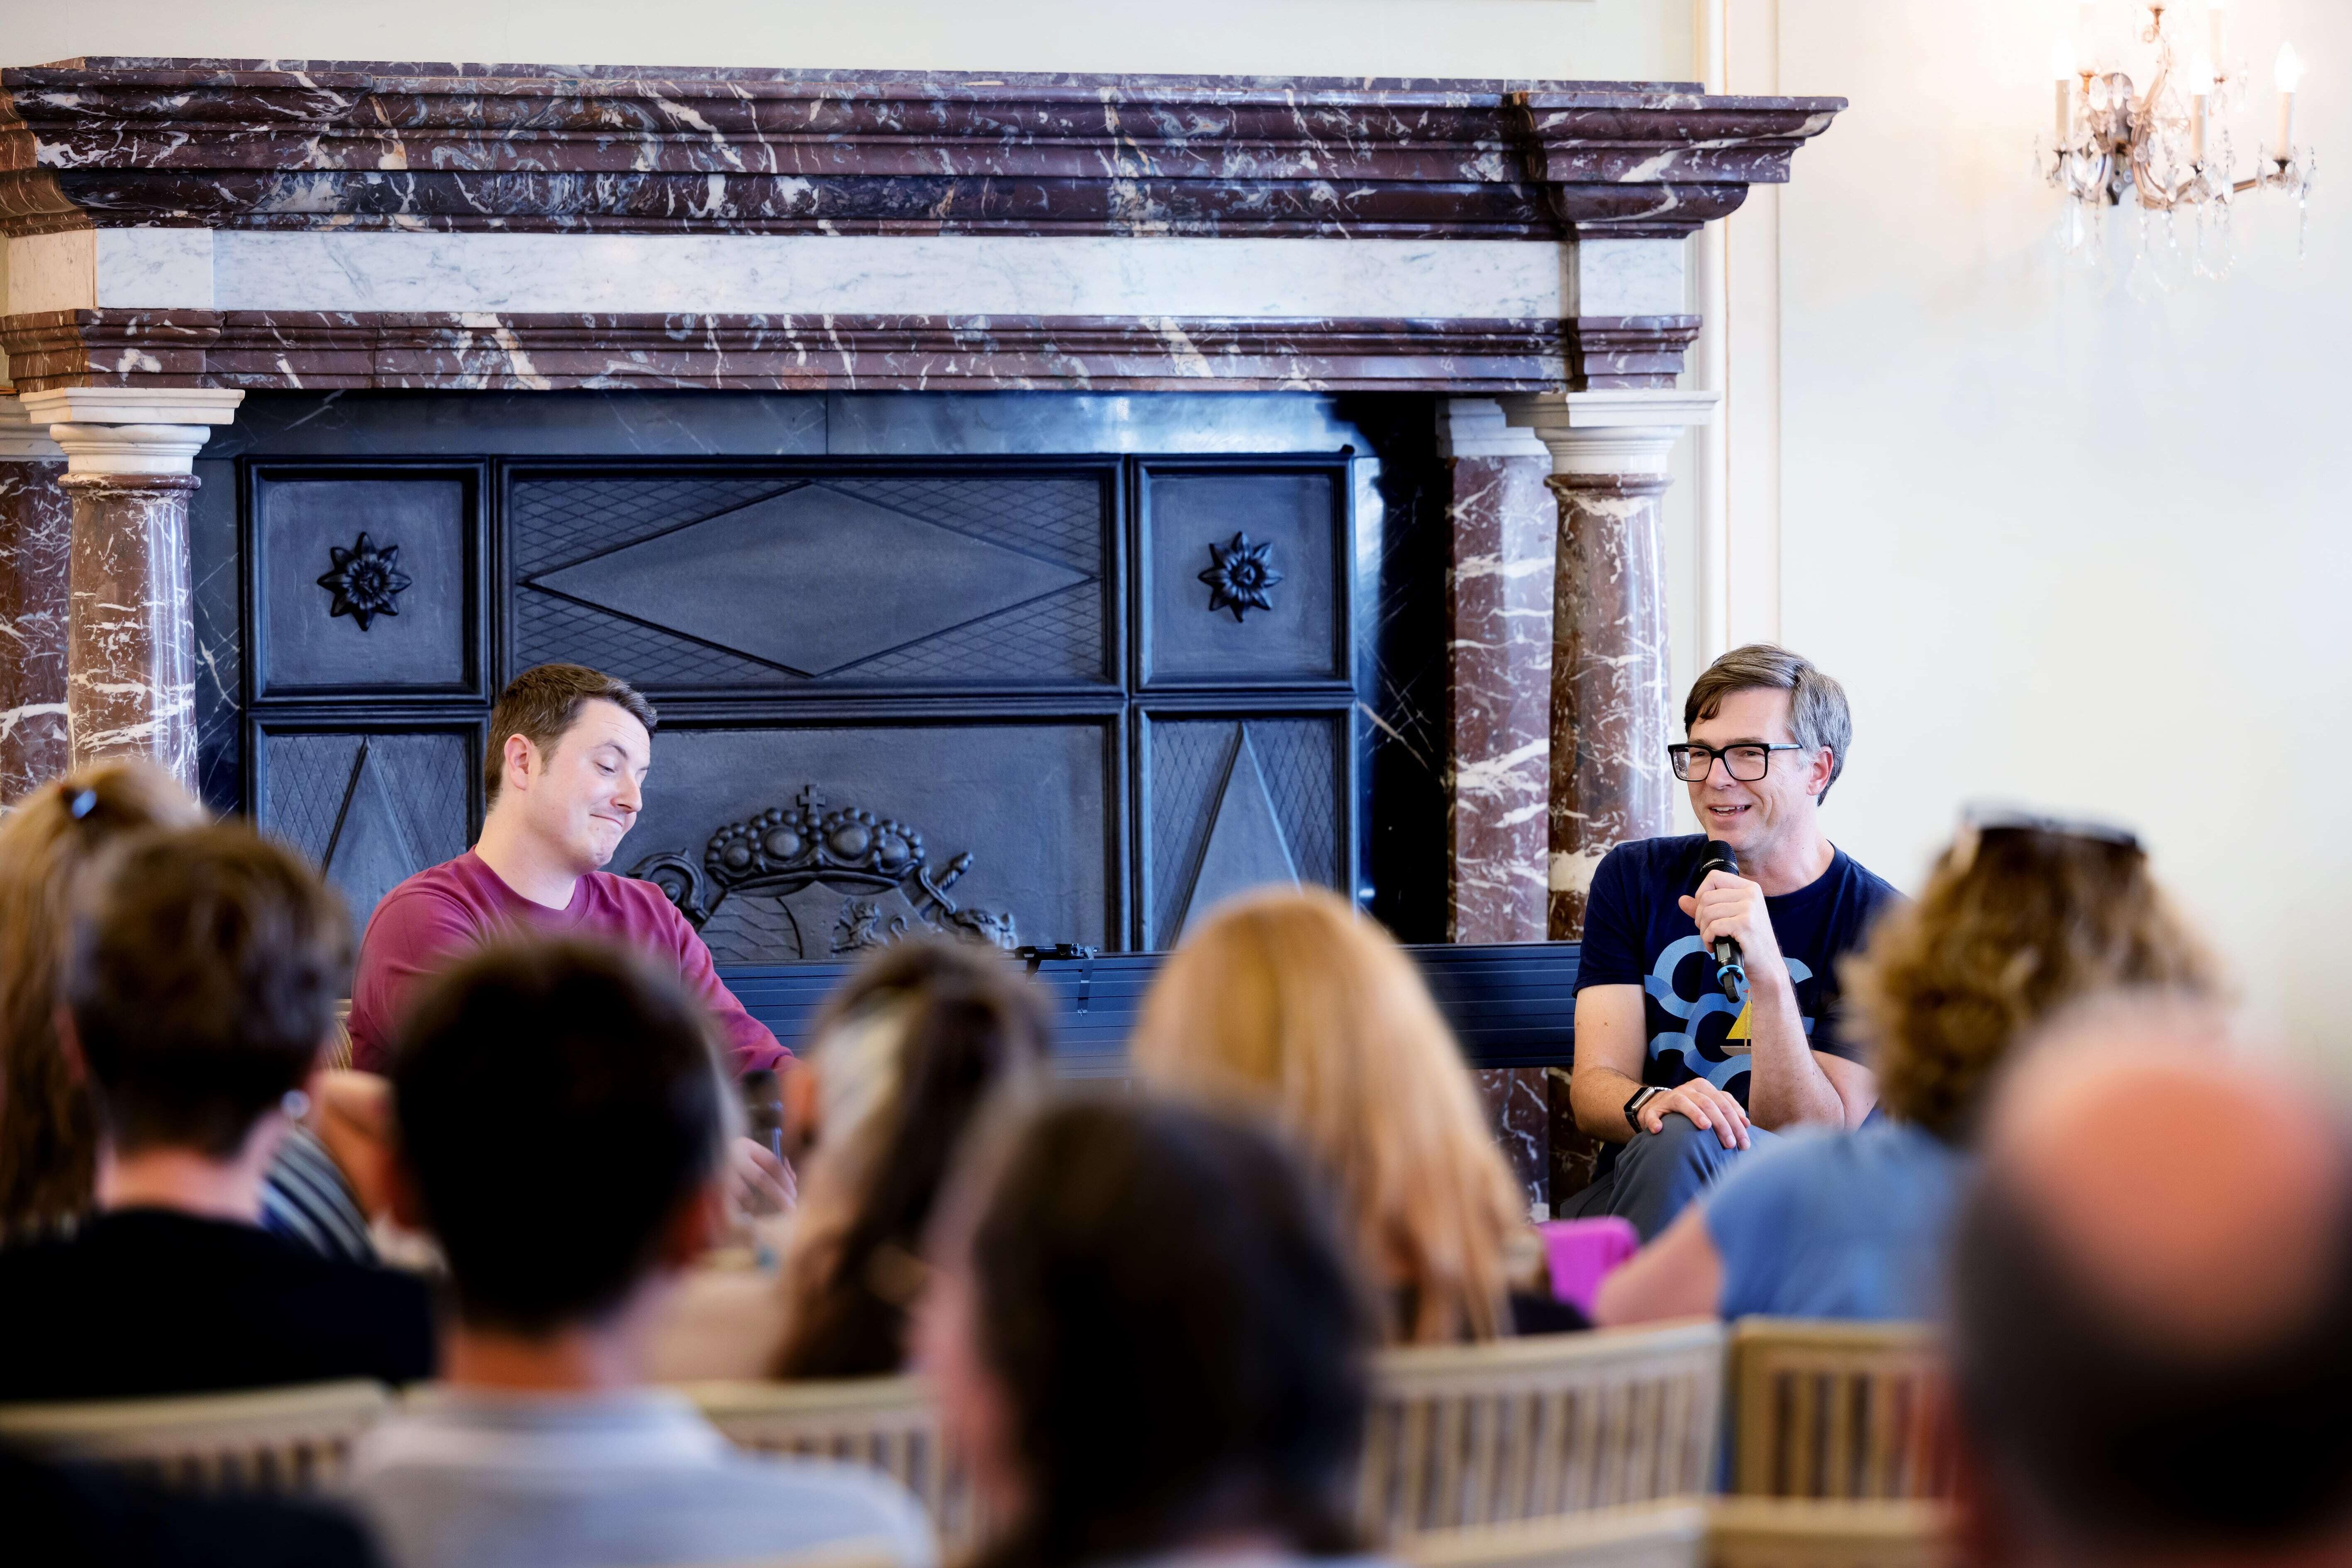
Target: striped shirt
306,1199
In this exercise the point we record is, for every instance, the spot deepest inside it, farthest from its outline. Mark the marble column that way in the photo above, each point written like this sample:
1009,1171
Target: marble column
1499,670
36,533
1611,689
130,637
1611,697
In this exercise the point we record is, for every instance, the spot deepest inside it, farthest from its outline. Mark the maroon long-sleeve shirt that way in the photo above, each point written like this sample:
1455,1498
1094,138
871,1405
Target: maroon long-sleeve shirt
444,912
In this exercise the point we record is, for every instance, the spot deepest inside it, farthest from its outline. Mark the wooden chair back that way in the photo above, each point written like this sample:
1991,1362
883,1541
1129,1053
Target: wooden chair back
889,1423
1639,1535
1784,1532
1838,1410
1458,1436
272,1440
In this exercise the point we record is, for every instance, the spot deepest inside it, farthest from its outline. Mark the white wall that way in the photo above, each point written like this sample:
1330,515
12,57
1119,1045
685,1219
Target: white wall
1594,38
2062,545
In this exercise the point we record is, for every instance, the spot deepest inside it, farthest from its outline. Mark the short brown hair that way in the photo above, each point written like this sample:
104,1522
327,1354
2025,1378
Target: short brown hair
2015,924
510,1065
544,702
1818,715
202,976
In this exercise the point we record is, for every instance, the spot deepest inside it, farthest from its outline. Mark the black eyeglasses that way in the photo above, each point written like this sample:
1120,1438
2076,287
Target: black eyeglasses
1746,763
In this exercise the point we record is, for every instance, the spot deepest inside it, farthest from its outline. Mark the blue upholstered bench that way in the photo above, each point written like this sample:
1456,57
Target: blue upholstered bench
1511,1006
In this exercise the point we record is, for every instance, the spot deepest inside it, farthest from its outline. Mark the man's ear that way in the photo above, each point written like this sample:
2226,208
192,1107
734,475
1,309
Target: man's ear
70,1043
521,755
1817,778
407,1205
1979,1533
801,1129
697,1225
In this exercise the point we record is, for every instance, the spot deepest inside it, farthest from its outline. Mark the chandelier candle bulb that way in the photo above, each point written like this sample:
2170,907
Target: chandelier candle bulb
2289,74
2061,66
2217,17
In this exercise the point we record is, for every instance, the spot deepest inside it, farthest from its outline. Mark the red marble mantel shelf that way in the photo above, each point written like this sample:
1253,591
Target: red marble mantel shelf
321,350
339,145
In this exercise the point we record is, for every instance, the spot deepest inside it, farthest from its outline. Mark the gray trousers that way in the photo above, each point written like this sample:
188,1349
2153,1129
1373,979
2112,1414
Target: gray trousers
1658,1173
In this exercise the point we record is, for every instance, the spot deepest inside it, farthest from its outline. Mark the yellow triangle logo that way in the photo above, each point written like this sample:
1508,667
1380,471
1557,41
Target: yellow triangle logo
1740,1030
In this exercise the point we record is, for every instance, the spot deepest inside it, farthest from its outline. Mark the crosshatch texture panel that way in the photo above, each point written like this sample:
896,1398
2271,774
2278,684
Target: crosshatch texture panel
705,584
417,636
1245,530
372,809
1194,764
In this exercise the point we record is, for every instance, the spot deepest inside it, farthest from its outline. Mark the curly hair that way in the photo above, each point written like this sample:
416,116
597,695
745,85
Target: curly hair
2015,923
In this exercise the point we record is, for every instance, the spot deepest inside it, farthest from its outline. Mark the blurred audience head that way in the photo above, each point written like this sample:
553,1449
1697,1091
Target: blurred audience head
2153,1305
927,1032
1151,1271
200,981
2020,918
48,1129
561,1121
1291,1006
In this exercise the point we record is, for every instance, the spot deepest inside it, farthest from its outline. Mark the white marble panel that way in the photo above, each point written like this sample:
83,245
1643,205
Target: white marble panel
887,275
155,268
1628,278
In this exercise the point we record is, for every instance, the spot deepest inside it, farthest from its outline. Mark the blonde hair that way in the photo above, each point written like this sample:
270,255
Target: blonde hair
1291,1006
49,1126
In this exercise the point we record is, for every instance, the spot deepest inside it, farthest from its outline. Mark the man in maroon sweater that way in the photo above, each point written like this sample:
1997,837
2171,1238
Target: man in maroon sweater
564,773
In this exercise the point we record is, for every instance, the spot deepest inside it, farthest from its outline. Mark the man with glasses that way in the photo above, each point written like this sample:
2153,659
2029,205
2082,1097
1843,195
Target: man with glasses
1676,1076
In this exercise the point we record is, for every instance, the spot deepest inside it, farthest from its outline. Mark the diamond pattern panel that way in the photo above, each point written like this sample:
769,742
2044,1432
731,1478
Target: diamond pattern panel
305,780
548,628
1299,758
425,778
555,522
1058,636
1061,519
814,580
1187,762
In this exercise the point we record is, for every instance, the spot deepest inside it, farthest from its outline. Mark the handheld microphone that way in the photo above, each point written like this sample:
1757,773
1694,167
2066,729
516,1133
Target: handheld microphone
1730,969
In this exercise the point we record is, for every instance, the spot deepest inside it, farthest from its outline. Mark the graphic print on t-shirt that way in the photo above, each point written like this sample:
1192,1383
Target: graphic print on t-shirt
1636,934
1718,1053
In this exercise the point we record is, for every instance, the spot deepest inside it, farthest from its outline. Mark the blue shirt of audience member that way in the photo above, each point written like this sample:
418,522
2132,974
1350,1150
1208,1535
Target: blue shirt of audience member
1827,1224
1636,934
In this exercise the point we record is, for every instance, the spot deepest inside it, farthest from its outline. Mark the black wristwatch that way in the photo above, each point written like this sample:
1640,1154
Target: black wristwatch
1642,1097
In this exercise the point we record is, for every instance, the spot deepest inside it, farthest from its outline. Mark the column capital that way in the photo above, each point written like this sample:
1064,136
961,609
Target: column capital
1476,427
129,430
1611,430
21,440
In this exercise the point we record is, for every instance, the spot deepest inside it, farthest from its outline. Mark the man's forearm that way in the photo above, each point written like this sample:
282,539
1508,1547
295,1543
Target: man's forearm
1597,1096
1785,1088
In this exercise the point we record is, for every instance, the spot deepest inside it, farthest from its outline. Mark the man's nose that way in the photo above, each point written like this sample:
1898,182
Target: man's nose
631,797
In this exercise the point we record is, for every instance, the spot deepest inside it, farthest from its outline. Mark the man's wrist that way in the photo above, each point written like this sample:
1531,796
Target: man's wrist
1769,976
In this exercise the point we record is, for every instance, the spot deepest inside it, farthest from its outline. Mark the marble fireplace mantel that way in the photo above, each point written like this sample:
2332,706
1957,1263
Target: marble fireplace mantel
182,232
319,224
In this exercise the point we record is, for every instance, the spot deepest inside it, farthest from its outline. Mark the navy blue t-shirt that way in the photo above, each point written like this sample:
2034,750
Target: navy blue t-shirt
1636,934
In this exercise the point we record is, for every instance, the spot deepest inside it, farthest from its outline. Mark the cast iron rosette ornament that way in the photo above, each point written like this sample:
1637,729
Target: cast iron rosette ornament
1240,576
366,581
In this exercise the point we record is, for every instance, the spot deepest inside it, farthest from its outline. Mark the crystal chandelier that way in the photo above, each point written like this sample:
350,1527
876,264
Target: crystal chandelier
2169,147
